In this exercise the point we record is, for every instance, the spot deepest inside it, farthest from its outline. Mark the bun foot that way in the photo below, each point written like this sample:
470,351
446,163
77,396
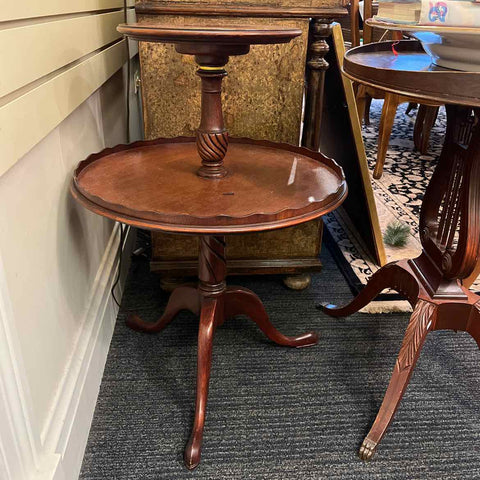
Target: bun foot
297,282
367,450
193,452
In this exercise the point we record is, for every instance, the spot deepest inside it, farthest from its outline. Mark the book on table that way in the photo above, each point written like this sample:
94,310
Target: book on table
397,11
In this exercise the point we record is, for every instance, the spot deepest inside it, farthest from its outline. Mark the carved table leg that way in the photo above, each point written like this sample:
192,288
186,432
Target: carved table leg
422,319
450,236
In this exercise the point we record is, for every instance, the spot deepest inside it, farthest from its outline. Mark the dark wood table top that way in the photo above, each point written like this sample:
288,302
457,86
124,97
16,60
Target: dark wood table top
154,185
411,73
238,35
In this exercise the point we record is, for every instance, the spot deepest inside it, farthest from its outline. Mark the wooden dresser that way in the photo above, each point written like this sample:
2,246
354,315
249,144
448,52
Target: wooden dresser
268,105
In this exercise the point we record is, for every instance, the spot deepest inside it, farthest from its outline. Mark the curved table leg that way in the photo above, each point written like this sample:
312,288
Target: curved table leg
211,310
182,298
421,321
390,105
390,276
241,301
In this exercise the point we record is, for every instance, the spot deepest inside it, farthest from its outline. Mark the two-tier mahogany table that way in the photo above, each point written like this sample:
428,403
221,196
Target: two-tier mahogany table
449,219
240,185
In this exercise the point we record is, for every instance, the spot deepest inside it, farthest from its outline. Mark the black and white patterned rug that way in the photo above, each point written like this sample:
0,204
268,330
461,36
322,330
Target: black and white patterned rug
398,195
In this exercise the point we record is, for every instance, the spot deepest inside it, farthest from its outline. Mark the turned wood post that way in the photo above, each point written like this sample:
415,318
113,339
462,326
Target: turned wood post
212,265
212,136
320,29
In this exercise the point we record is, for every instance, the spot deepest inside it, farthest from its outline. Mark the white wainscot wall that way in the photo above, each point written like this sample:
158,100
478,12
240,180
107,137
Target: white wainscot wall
57,264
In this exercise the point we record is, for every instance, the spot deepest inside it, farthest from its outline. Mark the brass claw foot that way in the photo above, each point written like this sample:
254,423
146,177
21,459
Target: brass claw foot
367,450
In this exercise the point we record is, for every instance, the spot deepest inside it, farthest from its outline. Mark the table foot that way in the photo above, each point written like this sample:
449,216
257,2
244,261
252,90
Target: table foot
367,450
210,314
298,282
241,301
182,298
394,276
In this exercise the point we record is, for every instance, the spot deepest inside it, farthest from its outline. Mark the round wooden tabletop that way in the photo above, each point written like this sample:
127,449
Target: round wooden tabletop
238,35
411,73
154,185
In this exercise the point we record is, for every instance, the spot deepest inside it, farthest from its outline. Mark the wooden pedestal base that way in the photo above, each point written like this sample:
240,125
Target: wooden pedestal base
430,313
214,302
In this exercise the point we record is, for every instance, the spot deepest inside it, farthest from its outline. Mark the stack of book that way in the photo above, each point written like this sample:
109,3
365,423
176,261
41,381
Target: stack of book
398,11
453,13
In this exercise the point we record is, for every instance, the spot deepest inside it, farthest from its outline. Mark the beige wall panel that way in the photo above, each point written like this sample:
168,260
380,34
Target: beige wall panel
58,266
45,47
26,120
40,8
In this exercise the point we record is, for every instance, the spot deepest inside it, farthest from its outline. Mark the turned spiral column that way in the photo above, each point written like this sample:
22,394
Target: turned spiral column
212,145
212,136
212,265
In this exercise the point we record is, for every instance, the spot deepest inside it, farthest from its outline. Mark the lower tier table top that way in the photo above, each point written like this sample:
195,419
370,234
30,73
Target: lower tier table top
154,185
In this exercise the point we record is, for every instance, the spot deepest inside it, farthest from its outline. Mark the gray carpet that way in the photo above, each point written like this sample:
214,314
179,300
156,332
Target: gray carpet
277,413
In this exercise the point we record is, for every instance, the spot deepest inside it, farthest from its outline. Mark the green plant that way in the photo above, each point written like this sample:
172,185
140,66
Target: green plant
396,234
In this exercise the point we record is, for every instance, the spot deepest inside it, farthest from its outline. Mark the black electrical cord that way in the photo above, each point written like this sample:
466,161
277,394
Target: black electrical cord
123,229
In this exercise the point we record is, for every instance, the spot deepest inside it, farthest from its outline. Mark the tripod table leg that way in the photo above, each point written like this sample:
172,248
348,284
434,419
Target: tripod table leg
211,311
241,301
182,298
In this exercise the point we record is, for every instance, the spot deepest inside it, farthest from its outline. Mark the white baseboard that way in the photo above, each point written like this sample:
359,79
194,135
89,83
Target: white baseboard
67,430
